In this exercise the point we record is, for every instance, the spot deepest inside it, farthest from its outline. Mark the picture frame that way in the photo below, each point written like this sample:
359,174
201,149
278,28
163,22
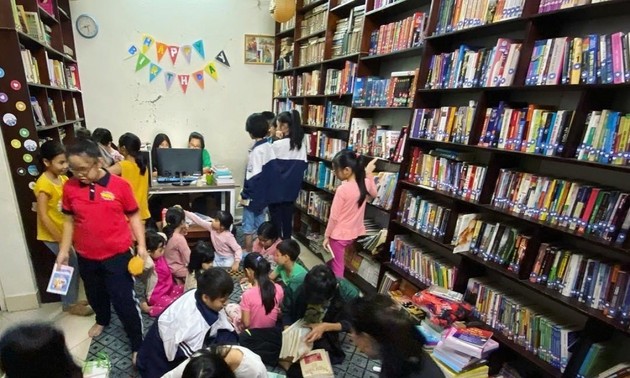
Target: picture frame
259,49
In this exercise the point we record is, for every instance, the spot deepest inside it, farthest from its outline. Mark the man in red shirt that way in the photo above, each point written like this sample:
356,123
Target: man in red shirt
101,214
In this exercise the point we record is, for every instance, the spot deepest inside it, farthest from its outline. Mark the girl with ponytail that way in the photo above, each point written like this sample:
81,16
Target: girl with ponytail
177,251
347,212
134,169
260,305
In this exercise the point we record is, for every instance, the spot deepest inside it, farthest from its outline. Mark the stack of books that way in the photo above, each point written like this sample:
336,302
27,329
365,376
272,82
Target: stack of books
446,124
314,20
463,352
606,138
312,51
395,92
347,37
308,83
223,175
400,35
457,15
425,216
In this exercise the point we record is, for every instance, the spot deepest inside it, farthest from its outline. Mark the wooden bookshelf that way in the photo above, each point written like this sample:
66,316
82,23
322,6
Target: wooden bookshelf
20,88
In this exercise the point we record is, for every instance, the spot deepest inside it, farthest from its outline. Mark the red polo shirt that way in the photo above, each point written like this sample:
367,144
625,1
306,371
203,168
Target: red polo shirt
99,211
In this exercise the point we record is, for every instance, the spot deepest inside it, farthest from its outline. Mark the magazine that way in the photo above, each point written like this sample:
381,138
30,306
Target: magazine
60,279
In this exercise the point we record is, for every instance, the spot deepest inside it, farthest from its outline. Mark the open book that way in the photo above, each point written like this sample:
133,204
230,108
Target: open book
316,364
293,343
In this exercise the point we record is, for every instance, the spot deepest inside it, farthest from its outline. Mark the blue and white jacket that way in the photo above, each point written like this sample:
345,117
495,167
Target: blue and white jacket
186,326
292,164
261,171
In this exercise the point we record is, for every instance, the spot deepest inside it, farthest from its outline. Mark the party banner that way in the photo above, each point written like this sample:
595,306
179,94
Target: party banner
198,76
154,71
222,58
169,77
183,82
147,42
172,52
161,50
211,70
198,46
132,50
187,51
142,62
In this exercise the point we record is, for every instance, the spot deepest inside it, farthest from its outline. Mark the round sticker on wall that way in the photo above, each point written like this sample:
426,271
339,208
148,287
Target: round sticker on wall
21,171
27,158
31,185
20,106
1,72
16,143
30,145
32,170
9,119
3,97
16,85
24,133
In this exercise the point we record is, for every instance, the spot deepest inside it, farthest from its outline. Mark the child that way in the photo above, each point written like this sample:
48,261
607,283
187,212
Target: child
290,151
227,251
267,242
109,152
259,176
48,191
161,291
101,216
196,141
134,169
345,223
221,362
177,251
260,305
194,321
201,259
271,120
290,273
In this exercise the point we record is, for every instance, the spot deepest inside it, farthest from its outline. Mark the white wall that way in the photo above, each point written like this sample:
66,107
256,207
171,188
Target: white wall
120,99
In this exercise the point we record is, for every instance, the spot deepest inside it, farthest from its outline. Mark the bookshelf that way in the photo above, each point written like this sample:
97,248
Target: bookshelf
43,92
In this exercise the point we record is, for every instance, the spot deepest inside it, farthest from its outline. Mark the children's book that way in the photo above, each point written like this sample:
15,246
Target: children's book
60,279
316,364
293,341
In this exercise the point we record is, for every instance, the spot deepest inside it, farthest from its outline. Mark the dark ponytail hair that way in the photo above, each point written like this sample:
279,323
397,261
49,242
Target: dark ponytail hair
348,159
174,218
203,253
49,150
131,142
261,267
296,133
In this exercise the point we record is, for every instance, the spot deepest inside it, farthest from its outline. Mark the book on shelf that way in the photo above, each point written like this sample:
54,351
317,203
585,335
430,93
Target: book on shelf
340,82
38,113
287,25
283,86
324,146
398,91
551,5
285,59
454,15
312,51
347,37
293,344
316,364
75,107
388,283
372,240
314,20
447,171
399,35
15,12
315,115
68,50
285,105
308,83
315,203
35,27
46,6
31,69
337,116
53,113
425,216
446,124
385,187
373,140
606,138
318,174
383,3
467,67
581,208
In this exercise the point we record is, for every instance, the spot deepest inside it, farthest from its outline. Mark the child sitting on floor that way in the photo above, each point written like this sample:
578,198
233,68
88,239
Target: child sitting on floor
195,320
267,242
201,259
161,291
227,251
260,305
177,251
290,273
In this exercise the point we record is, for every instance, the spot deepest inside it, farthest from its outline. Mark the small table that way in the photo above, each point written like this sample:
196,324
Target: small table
157,189
196,233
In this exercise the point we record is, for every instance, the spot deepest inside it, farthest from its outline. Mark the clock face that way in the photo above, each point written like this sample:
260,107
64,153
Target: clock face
86,26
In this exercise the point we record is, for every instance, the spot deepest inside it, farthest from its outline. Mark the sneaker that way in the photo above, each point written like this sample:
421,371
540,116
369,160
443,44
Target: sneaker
80,310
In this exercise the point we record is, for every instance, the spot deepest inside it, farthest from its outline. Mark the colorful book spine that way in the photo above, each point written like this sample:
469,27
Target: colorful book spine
425,216
446,124
399,35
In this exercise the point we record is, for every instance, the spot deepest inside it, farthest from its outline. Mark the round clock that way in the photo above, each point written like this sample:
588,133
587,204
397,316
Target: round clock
86,26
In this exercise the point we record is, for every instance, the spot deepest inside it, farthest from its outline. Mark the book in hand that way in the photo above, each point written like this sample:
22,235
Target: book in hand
60,279
294,344
316,364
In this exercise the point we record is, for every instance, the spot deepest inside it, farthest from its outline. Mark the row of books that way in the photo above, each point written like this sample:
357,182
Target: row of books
399,35
447,171
594,59
606,138
60,74
285,105
339,82
606,359
533,129
378,4
337,116
31,68
595,282
315,115
579,207
318,174
347,37
308,83
422,264
524,322
424,215
456,15
446,124
287,25
554,5
467,67
31,24
312,51
285,58
314,20
316,204
325,147
373,140
396,92
282,86
385,187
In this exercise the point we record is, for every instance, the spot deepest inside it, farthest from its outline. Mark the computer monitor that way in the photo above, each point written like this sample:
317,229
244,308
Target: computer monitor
173,162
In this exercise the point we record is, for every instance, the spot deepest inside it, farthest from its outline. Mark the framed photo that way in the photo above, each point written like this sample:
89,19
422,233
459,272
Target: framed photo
259,49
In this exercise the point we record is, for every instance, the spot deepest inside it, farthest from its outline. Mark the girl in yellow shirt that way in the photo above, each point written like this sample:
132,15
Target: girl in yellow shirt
134,169
48,192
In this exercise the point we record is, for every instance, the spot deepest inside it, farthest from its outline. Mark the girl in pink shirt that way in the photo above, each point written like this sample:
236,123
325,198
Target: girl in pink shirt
267,242
347,212
260,304
177,251
227,250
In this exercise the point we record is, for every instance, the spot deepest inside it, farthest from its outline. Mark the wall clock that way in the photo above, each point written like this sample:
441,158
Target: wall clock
86,26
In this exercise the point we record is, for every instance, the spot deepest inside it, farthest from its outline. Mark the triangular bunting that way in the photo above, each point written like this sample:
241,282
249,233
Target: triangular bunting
187,50
154,70
198,76
222,58
142,62
198,46
147,41
132,50
183,81
211,70
161,50
169,77
172,52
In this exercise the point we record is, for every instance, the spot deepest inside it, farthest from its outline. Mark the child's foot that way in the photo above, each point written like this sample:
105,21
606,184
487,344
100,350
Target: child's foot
144,306
79,310
96,330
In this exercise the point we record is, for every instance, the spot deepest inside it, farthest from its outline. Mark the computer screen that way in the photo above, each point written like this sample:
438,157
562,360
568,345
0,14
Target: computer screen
173,161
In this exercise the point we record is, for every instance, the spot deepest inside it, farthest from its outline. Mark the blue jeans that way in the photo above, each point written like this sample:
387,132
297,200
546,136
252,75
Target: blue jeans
223,261
252,221
73,290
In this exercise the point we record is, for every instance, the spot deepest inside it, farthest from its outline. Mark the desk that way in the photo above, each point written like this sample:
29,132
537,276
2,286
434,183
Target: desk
157,189
196,233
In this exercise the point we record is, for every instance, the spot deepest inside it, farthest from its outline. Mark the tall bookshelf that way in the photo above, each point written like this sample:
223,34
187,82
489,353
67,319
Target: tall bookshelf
537,20
40,90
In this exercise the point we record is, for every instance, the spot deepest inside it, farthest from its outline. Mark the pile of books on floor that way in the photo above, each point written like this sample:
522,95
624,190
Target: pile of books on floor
223,175
462,352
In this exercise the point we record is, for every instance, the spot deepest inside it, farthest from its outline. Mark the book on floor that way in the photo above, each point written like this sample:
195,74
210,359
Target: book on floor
293,341
60,279
316,364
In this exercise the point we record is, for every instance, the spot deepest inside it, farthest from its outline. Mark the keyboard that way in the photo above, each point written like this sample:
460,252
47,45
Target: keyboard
168,180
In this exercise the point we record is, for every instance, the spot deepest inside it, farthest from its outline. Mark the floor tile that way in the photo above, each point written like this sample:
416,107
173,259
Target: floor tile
80,351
